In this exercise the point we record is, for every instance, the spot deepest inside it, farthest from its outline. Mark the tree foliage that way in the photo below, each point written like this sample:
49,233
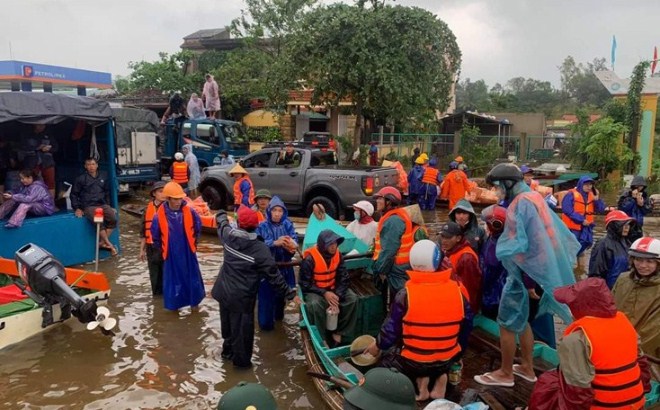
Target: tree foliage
603,148
481,155
580,83
393,62
168,74
634,101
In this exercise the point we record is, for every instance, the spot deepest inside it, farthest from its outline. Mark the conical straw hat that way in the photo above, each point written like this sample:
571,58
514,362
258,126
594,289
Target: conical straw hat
237,169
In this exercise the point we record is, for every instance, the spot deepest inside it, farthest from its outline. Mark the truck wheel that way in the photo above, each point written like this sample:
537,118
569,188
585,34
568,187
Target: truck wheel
329,205
213,198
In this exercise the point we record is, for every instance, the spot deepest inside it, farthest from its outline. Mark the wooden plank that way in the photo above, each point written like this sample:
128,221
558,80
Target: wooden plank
491,401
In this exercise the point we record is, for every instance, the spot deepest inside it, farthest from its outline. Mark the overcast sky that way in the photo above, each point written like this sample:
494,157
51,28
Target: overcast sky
499,39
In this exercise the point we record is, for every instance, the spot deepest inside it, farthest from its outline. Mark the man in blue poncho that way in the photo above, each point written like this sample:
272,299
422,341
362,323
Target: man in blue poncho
280,236
578,208
536,242
415,180
175,230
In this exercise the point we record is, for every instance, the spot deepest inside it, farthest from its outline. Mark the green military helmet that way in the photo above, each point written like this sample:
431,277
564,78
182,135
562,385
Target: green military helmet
383,389
247,396
263,193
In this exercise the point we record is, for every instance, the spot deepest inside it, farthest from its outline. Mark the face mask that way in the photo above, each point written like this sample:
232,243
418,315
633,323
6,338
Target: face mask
357,215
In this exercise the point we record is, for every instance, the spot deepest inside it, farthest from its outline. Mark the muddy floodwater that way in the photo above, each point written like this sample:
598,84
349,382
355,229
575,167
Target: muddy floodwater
157,359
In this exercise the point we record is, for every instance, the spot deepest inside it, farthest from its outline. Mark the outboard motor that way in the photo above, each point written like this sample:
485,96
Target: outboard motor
46,279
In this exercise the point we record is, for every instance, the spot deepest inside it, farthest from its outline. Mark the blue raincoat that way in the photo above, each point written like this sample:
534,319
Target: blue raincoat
493,276
182,279
586,234
537,242
415,183
609,258
271,306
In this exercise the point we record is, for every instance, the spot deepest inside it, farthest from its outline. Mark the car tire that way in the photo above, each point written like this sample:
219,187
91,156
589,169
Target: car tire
213,198
329,205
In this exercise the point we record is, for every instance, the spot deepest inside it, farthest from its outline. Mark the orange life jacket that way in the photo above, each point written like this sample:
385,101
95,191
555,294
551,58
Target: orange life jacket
613,346
324,275
149,214
455,257
188,228
581,208
534,184
260,217
238,194
402,256
180,172
431,176
433,319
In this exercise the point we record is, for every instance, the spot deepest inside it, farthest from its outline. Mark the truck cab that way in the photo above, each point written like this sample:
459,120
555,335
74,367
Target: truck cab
208,139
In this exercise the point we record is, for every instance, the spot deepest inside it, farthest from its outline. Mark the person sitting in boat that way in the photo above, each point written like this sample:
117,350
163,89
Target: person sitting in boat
325,283
609,258
601,364
180,171
90,191
637,294
428,325
431,180
247,262
288,157
635,203
280,236
243,188
31,198
415,180
578,208
363,226
463,214
455,185
175,231
148,251
382,389
528,177
394,238
464,261
534,242
262,199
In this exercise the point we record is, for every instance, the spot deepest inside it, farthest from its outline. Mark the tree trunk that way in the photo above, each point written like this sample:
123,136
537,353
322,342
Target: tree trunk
357,131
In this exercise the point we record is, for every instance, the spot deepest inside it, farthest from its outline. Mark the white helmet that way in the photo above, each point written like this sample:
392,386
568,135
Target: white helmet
646,248
425,256
366,206
178,156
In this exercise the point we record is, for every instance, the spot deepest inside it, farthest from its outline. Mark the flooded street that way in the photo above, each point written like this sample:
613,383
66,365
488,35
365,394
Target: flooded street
157,359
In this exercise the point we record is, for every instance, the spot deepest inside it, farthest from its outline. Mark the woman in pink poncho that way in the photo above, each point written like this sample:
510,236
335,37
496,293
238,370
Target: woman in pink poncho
211,96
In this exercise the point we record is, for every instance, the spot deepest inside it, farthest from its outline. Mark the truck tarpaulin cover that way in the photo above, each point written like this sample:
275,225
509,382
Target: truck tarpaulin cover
48,108
128,120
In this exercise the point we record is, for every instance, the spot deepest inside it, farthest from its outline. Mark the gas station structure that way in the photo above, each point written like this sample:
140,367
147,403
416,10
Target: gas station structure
25,76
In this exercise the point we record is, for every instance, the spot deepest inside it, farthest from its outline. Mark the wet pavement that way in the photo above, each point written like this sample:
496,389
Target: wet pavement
157,359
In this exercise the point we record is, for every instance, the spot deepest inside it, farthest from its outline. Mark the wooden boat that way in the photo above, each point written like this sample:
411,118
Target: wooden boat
20,316
338,372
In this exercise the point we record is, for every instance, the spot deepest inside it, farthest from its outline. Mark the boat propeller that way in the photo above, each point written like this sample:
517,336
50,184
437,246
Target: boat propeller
102,320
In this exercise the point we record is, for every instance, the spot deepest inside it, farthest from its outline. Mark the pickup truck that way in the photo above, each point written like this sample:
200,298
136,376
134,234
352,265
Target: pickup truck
315,179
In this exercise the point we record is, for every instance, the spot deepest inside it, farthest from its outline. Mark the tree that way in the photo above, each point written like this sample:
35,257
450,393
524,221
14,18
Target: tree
169,74
603,148
532,95
580,83
634,102
266,27
472,96
396,63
